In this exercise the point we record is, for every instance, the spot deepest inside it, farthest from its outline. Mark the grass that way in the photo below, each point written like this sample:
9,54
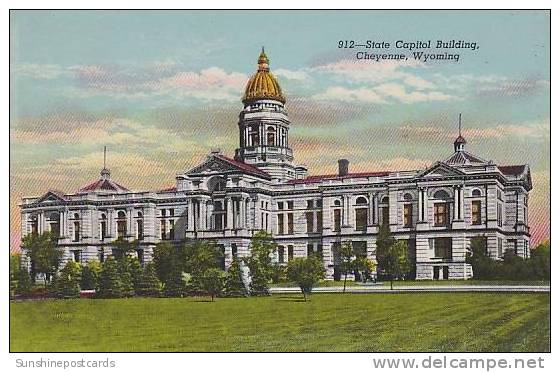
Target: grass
400,283
464,322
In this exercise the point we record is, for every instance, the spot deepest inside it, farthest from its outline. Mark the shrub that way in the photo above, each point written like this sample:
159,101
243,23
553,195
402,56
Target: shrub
24,284
110,284
212,282
149,284
305,272
66,284
90,275
235,286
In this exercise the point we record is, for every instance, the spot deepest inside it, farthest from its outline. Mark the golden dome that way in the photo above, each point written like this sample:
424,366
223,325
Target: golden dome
263,85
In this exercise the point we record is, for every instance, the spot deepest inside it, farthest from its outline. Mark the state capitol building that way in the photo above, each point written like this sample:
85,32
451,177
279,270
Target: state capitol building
436,210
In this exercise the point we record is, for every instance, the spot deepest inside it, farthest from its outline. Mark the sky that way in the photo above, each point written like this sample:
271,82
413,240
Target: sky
162,88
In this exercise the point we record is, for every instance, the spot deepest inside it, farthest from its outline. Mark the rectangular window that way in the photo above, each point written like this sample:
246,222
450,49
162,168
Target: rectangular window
290,204
309,250
359,248
140,229
171,229
476,213
361,218
442,248
280,205
290,252
320,251
121,229
103,230
407,215
310,204
77,256
309,220
319,221
499,214
384,215
140,255
233,250
280,224
337,215
441,216
281,254
319,203
163,228
500,248
76,231
290,223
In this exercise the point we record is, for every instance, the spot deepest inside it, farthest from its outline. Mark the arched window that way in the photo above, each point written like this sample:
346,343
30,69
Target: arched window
54,223
140,229
385,200
441,194
34,222
337,203
271,136
103,226
384,215
254,135
121,225
284,137
476,193
219,215
361,200
407,197
361,213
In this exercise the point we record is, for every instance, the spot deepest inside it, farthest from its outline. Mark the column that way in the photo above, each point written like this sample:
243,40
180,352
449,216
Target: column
455,203
425,200
461,203
376,209
41,222
129,221
229,213
202,218
190,214
210,218
371,209
420,205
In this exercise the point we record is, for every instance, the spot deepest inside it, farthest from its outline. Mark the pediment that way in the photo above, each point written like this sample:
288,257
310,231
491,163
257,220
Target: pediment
51,197
213,165
441,170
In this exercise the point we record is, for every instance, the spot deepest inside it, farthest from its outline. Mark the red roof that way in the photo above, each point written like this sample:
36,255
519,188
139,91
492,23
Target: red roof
169,189
512,170
243,166
104,185
324,177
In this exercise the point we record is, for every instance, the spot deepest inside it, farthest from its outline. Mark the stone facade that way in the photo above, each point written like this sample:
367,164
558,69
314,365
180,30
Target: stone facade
436,210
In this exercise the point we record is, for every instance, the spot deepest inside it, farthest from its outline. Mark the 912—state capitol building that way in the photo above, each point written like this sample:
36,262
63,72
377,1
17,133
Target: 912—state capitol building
436,210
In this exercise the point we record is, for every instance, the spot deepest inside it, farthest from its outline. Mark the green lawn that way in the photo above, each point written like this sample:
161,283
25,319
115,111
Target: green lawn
329,322
400,283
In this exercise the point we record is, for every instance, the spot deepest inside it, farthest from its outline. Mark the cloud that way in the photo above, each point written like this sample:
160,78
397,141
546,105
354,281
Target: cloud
38,71
339,93
300,75
399,92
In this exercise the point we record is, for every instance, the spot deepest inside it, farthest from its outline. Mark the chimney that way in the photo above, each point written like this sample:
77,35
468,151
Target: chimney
343,167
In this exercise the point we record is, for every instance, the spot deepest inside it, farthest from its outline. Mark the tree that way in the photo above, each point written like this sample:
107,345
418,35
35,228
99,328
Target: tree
305,272
235,286
136,272
90,275
15,267
164,257
24,284
67,282
174,286
43,251
383,244
540,260
212,282
346,253
365,266
149,284
260,263
394,261
110,285
482,265
197,257
124,269
123,248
